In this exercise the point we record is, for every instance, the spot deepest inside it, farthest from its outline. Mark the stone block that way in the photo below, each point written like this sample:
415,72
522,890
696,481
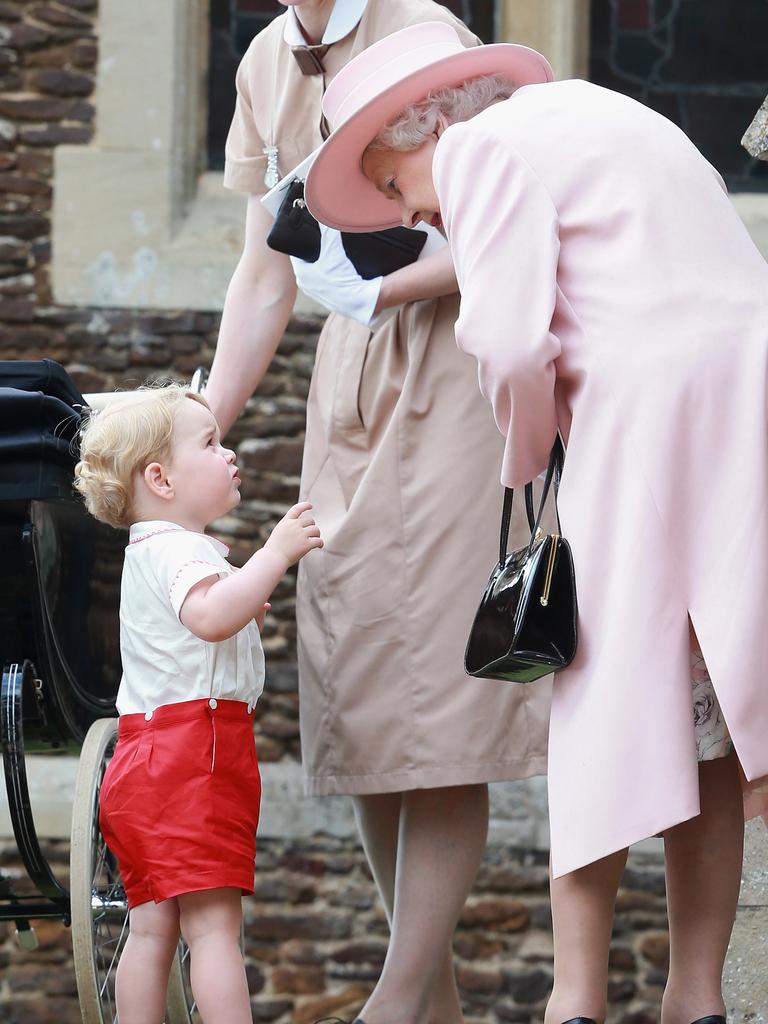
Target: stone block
268,1009
35,108
503,912
60,82
478,981
23,226
300,981
344,1003
55,134
54,14
24,184
528,986
21,36
361,951
283,455
655,949
12,251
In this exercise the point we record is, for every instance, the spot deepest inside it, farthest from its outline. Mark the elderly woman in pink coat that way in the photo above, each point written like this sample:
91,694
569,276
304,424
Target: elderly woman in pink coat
608,290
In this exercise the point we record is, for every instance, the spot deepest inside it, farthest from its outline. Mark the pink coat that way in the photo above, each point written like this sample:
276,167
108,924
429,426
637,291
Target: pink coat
608,287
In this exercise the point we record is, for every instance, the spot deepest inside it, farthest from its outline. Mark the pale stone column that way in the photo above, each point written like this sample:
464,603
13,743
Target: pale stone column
745,980
137,219
557,28
755,140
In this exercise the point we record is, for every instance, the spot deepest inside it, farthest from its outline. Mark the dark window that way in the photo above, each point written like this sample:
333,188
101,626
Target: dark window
234,23
702,63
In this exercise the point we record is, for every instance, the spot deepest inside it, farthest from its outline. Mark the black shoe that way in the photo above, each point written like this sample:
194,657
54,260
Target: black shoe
588,1020
714,1018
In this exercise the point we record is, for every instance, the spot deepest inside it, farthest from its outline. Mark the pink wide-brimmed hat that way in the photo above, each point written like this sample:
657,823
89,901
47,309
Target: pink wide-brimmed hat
373,89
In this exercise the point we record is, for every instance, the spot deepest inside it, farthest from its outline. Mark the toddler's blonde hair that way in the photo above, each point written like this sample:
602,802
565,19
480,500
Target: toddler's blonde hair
119,441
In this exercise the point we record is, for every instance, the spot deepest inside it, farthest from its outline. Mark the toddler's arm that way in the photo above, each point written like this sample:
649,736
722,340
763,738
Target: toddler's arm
217,608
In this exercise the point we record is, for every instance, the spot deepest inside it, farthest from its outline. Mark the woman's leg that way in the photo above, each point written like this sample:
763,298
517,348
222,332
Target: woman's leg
210,924
142,971
582,919
703,862
378,819
441,839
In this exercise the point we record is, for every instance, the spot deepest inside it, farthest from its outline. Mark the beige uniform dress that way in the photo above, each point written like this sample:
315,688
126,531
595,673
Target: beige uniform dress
401,463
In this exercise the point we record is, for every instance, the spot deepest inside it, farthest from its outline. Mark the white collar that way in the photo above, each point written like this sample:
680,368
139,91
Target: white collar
344,18
151,527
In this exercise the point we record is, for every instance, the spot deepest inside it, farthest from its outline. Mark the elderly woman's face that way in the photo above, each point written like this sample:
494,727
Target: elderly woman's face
406,178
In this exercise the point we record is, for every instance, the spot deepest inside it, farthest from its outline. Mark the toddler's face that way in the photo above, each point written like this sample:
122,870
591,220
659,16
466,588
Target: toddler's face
204,474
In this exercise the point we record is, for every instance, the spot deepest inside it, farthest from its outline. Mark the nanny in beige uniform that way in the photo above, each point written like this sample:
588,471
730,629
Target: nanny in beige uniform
401,463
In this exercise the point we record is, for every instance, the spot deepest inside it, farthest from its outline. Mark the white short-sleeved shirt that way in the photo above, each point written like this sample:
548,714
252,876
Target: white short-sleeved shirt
163,662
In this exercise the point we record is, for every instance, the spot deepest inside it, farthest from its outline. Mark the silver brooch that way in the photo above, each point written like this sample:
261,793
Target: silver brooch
271,177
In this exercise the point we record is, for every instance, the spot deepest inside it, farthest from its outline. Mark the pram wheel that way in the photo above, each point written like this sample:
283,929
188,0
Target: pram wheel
99,904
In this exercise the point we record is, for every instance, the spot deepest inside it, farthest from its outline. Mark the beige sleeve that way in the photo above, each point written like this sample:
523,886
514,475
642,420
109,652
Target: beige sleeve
245,162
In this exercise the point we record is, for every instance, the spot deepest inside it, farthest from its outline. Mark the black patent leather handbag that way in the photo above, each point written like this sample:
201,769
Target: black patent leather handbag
525,626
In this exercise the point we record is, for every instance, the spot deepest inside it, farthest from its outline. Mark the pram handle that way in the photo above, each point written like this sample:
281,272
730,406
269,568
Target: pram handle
101,399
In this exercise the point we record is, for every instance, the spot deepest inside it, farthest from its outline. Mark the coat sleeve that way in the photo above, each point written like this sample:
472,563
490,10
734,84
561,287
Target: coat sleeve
503,231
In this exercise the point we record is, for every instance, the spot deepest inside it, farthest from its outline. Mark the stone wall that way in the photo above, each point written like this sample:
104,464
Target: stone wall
316,938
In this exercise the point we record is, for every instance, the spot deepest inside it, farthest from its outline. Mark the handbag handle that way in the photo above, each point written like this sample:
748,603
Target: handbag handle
554,472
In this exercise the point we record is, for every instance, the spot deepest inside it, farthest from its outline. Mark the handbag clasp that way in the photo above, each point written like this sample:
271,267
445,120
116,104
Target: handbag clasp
544,599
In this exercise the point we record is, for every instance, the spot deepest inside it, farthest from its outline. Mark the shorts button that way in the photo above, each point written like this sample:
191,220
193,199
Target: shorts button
148,716
212,703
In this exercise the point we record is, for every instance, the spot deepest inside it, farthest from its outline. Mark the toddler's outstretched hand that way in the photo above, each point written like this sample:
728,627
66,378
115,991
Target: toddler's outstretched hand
262,615
296,534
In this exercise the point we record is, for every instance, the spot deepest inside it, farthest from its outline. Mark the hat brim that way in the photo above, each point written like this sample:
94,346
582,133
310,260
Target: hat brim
339,194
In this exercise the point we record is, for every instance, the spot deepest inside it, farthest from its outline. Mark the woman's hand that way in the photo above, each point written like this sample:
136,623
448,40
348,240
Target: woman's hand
295,535
334,282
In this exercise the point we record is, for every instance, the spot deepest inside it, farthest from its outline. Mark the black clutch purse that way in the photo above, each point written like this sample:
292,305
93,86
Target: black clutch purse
376,253
372,253
295,231
525,626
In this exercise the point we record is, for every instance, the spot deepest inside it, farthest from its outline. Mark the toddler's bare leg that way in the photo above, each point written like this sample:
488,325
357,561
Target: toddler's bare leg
142,971
582,917
704,861
210,924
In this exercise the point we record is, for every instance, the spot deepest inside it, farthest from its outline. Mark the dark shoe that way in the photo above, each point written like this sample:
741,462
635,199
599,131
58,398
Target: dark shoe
714,1018
579,1020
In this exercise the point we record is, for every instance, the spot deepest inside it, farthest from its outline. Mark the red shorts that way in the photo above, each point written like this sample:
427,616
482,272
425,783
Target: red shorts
180,800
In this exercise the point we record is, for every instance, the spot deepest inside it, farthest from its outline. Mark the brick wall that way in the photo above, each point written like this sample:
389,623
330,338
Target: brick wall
316,937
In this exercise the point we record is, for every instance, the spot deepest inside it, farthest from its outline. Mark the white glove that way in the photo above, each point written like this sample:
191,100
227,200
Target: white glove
334,282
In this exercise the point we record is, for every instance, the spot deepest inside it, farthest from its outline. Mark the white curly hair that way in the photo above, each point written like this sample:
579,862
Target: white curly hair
413,125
